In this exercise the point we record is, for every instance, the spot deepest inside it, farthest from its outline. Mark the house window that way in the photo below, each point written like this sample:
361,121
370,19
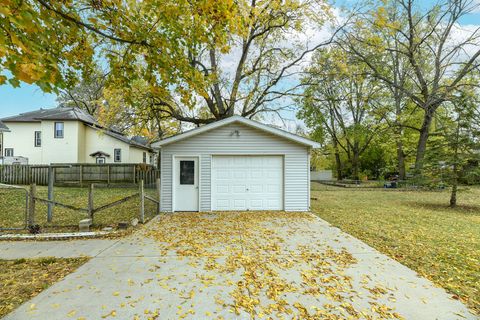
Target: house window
144,157
38,139
8,152
100,160
58,130
117,155
187,172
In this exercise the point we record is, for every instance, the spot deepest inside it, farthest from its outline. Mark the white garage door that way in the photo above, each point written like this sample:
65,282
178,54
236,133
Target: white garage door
247,183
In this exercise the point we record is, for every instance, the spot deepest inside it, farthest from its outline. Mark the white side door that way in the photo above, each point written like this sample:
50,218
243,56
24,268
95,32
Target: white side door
186,183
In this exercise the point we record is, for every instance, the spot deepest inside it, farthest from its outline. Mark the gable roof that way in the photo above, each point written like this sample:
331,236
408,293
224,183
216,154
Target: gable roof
60,113
3,127
74,114
239,119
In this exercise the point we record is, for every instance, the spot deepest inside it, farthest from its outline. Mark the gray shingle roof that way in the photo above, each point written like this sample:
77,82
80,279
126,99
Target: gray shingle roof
3,127
60,113
76,114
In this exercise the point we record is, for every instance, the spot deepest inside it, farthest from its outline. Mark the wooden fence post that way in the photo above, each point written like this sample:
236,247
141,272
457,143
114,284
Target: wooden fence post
50,194
31,205
142,201
90,202
158,195
80,177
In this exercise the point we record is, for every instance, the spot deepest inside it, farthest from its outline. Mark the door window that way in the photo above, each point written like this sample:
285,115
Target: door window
187,172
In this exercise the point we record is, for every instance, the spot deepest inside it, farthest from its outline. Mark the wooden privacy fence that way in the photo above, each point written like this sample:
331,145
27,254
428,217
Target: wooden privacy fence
23,174
79,174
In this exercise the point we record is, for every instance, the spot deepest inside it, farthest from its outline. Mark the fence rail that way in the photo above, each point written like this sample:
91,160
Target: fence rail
78,174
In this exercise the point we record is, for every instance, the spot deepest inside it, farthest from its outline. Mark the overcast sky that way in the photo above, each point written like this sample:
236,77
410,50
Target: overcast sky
30,97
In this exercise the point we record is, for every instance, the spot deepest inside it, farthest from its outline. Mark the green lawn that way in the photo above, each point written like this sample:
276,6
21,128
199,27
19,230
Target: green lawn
12,207
416,228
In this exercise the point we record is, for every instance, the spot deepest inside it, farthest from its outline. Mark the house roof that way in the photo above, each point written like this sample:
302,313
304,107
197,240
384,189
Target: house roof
60,113
3,127
75,114
239,119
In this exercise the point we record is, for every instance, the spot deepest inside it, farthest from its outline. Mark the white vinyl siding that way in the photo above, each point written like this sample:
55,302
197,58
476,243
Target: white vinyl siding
250,141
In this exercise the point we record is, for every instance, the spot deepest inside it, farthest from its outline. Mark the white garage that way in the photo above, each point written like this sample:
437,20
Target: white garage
235,164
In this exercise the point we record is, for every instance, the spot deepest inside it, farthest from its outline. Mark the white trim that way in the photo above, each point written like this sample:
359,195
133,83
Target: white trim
248,122
174,177
308,176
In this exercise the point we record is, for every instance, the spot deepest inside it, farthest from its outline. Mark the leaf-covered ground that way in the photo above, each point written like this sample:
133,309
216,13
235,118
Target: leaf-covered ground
12,207
272,276
242,265
416,228
22,279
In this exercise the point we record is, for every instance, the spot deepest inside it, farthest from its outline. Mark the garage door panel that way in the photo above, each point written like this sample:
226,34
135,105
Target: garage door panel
247,183
223,189
240,204
223,174
273,203
239,189
256,188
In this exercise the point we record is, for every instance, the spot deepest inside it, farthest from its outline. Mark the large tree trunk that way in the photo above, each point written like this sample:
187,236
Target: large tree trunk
453,195
423,139
400,160
338,161
355,165
399,136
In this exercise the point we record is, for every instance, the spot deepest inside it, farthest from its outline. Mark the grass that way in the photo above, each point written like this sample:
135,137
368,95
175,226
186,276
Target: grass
417,228
22,279
12,207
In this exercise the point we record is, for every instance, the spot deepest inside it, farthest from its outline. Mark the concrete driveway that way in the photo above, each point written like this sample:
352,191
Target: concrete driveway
244,265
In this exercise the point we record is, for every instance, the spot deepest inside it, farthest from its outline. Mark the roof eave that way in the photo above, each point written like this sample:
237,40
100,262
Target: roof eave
248,122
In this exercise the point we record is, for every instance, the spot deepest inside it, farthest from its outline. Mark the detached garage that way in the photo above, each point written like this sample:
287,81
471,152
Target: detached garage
235,164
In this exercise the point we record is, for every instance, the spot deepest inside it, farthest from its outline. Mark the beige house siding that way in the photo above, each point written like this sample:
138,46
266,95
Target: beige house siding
21,139
58,150
96,140
82,153
78,143
136,155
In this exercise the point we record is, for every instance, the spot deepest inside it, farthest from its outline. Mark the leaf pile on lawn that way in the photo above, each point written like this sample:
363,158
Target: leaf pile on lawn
22,279
268,282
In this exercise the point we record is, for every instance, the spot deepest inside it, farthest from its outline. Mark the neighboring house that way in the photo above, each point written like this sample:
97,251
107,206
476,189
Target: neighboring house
3,128
68,135
235,164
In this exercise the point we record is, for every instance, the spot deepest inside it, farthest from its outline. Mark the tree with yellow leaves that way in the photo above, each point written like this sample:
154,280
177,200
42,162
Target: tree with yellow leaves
196,61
